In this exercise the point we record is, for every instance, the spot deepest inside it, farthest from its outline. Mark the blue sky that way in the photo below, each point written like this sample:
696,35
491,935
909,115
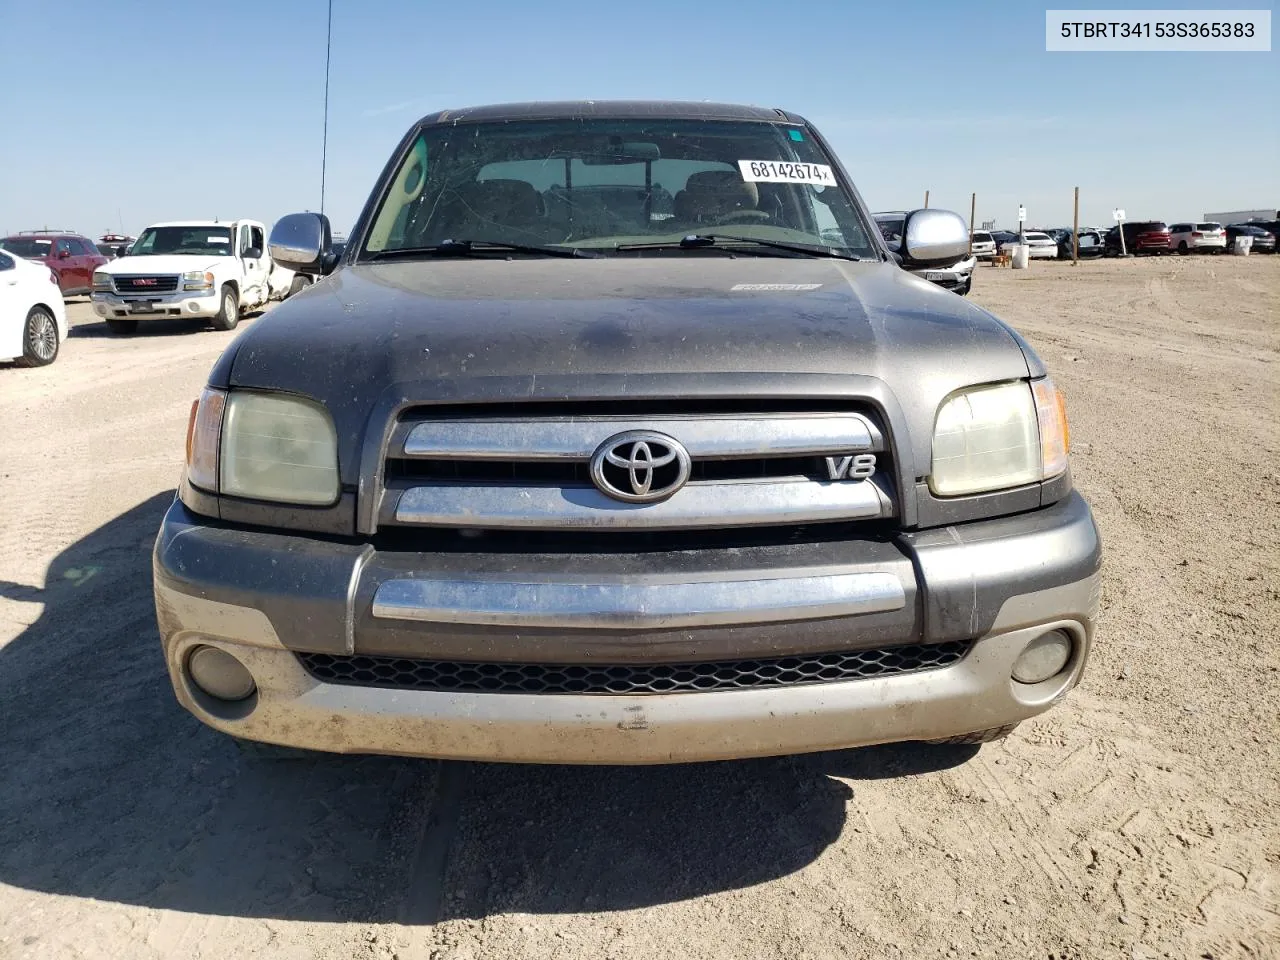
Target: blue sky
132,111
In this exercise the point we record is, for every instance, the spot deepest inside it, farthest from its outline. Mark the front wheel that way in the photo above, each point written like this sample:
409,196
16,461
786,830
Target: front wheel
964,291
229,315
299,284
39,338
1182,248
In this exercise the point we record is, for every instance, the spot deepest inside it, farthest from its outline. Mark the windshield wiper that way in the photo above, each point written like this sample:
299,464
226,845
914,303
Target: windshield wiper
697,241
471,248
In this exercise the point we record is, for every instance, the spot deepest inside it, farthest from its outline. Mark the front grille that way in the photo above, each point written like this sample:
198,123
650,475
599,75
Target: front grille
530,467
398,673
146,284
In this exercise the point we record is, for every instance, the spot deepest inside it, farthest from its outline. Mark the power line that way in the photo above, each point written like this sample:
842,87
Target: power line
324,143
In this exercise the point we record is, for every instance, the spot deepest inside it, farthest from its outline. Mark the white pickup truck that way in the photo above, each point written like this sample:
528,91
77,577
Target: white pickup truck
191,268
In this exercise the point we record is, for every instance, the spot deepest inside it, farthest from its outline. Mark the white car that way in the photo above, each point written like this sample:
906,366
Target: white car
1203,237
33,321
983,245
1039,245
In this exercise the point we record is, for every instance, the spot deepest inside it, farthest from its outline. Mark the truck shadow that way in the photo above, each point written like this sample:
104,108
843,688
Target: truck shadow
111,791
176,327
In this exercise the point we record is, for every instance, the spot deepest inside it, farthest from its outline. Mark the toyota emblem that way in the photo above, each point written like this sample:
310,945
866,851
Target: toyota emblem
640,466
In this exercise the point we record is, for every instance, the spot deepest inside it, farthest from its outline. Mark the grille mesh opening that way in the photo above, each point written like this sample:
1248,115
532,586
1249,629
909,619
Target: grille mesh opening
398,673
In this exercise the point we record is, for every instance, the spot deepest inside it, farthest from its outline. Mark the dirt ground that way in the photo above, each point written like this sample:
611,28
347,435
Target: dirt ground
1139,819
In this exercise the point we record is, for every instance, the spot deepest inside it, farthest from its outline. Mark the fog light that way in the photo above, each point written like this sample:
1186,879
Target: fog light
219,674
1043,657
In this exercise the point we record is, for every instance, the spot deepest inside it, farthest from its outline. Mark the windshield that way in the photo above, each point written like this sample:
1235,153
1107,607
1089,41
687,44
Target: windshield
155,241
598,183
27,246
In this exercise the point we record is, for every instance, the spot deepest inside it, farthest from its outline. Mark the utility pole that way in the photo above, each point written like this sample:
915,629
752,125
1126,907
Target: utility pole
324,141
1075,232
973,212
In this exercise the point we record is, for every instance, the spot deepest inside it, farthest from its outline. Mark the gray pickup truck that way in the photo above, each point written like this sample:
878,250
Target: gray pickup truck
616,434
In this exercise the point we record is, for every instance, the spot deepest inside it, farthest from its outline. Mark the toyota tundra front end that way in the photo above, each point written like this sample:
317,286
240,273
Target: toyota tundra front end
616,435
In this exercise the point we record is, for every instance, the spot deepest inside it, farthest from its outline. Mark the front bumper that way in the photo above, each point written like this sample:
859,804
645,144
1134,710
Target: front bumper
263,597
155,307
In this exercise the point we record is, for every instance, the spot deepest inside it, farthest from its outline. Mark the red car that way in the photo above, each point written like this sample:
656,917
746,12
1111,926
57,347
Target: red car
1140,236
69,255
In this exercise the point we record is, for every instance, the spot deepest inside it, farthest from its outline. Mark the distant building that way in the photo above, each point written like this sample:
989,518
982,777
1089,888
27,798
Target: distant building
1242,216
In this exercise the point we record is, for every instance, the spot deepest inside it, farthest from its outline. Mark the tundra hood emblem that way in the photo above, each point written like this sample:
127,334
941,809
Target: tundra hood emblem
640,466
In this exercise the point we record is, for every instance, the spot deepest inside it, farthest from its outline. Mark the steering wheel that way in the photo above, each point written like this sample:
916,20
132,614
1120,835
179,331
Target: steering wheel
744,216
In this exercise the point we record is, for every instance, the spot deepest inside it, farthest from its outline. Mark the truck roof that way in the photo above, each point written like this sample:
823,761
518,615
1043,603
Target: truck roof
572,109
200,223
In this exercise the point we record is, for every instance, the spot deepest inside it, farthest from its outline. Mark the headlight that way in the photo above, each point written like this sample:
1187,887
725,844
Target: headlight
197,280
263,447
996,437
102,282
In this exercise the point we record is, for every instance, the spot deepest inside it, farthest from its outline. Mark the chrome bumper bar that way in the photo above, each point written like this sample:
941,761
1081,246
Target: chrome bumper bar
637,606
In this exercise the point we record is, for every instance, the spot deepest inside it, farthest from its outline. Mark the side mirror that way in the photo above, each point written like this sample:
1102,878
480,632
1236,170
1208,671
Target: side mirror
934,236
303,242
64,254
253,253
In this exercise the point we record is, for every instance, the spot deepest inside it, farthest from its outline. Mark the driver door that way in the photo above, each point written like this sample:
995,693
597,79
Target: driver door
252,252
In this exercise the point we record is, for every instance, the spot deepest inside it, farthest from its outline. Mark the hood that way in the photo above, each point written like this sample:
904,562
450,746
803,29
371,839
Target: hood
164,263
501,330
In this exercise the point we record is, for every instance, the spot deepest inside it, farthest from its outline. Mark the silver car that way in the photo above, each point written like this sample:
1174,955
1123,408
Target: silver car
957,277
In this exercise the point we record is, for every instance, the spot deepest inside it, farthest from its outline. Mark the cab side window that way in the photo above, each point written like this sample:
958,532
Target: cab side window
62,247
6,262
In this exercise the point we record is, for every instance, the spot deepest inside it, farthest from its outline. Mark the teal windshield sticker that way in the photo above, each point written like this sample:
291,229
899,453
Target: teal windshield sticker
796,135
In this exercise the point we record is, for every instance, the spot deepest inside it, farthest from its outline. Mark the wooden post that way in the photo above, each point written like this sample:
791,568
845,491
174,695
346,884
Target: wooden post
926,199
973,212
1075,232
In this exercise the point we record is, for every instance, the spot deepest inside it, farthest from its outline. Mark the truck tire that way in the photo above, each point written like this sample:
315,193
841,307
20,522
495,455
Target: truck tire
978,736
299,284
229,315
39,338
122,325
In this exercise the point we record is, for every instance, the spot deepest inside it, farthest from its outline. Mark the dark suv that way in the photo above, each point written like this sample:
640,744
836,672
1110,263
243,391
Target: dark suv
1140,236
70,256
535,474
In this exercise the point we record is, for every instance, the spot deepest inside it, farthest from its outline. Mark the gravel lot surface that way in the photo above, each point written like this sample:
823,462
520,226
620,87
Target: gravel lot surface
1140,819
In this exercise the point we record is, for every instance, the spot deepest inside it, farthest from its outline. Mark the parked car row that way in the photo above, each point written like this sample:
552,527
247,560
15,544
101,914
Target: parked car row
1139,237
200,269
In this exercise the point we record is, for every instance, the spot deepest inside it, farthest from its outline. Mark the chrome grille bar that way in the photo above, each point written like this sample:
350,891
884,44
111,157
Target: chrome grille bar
697,505
708,437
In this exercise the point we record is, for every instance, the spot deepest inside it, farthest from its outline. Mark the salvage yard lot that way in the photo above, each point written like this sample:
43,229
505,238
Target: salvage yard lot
1139,819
